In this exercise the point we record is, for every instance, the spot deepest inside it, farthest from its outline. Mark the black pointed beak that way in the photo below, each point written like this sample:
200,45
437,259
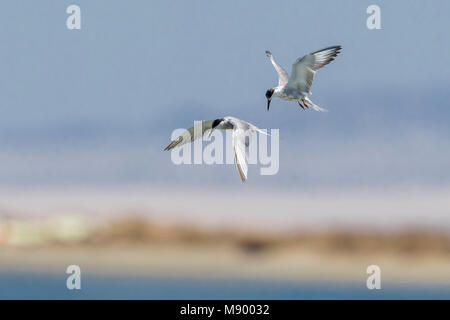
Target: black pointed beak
268,104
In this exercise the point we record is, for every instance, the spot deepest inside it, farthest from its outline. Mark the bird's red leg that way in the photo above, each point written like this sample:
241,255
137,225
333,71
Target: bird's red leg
301,105
303,100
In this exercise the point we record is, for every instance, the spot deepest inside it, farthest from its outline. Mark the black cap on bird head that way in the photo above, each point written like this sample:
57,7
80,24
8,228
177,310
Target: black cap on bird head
214,125
269,94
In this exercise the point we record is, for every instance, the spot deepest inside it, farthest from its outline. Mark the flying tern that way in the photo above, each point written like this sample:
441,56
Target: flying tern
297,87
242,131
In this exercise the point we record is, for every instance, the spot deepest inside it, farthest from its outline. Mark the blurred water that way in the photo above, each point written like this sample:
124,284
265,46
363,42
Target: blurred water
15,285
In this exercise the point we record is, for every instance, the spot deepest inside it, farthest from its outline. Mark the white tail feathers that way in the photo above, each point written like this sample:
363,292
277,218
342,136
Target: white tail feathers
309,103
262,132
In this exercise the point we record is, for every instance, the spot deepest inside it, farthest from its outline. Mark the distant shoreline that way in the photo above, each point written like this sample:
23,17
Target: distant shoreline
331,236
134,245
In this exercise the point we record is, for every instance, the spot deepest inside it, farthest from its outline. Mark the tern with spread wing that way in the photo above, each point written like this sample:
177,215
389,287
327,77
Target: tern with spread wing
297,87
242,132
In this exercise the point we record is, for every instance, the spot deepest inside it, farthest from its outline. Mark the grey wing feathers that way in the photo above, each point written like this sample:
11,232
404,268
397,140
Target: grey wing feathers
324,56
304,69
239,168
190,135
283,76
240,158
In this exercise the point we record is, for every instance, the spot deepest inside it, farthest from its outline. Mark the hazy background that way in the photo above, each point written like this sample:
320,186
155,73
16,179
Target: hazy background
85,115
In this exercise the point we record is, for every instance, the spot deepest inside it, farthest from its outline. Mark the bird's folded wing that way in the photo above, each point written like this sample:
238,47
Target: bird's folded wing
304,68
283,76
191,134
240,159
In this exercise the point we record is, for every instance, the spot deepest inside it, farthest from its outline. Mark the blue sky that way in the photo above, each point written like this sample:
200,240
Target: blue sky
96,106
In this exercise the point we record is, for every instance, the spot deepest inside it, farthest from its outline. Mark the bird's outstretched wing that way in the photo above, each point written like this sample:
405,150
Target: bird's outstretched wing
304,68
242,131
283,76
191,134
240,158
